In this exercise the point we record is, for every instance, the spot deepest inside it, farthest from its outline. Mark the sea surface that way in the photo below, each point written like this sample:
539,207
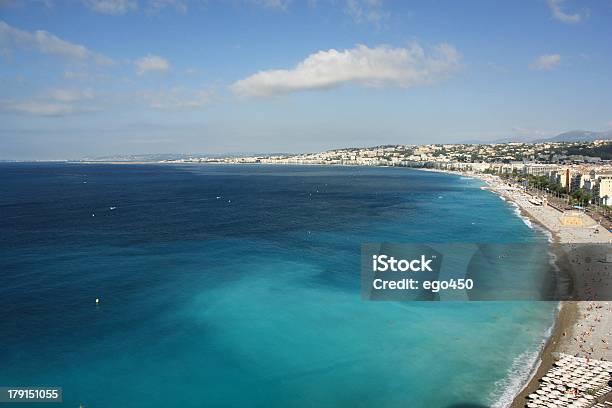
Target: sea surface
238,286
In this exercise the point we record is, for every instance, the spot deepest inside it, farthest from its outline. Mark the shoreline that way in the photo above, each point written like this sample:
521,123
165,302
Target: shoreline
572,316
566,317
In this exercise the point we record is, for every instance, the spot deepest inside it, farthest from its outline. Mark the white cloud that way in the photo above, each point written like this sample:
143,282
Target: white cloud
151,63
55,102
70,95
546,62
556,8
46,43
75,75
158,5
39,108
383,65
115,7
272,4
177,98
369,11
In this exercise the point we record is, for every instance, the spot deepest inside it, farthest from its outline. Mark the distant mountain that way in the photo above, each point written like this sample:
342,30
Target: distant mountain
579,136
571,136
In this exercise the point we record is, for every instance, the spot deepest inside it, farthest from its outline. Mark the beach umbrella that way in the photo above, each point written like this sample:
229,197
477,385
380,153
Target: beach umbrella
583,400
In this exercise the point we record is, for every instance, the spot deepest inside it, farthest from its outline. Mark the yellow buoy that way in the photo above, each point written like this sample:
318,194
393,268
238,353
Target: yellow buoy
97,301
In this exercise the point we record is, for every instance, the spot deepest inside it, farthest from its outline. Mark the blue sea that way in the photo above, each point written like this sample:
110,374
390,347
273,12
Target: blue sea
239,286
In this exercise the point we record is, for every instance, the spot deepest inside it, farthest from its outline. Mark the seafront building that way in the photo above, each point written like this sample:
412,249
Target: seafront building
573,166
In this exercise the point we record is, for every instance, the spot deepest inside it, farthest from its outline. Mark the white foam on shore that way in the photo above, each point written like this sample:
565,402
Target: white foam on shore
553,261
549,235
524,366
522,370
517,211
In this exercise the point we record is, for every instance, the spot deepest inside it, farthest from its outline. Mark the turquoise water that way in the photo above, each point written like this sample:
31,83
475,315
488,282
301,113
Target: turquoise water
239,286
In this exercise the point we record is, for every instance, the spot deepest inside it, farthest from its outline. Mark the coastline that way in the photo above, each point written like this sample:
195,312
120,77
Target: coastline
566,318
566,314
574,324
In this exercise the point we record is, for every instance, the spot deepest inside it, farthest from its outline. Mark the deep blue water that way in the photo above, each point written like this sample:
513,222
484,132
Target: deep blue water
238,286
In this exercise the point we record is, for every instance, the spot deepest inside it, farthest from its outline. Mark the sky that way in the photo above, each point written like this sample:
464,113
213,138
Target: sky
91,78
